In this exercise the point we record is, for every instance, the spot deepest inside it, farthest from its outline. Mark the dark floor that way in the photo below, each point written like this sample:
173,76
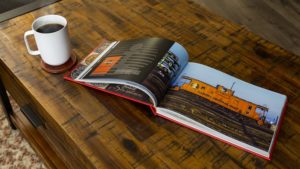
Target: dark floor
275,20
6,5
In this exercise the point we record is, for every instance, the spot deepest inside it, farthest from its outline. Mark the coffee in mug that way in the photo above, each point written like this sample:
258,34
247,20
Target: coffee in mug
49,28
52,39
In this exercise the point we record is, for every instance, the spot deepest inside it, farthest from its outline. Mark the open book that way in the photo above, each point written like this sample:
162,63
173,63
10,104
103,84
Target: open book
156,72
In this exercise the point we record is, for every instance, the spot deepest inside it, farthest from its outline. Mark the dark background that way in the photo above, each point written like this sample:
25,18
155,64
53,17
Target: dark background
6,5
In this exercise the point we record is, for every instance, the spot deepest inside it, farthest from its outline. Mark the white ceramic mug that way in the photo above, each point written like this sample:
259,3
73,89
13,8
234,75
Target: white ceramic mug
54,48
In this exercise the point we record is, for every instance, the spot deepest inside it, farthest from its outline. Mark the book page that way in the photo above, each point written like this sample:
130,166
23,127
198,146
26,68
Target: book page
122,90
232,107
149,64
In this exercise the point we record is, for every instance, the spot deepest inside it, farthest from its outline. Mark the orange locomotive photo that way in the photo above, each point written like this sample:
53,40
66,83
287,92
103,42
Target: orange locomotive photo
223,97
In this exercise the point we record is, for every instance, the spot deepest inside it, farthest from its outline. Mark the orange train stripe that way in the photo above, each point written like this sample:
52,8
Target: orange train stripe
106,65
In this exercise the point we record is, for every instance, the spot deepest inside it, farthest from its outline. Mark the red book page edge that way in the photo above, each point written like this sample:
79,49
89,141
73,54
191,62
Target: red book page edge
279,126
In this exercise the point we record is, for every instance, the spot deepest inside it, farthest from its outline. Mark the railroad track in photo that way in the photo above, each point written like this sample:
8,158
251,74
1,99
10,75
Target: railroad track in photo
218,118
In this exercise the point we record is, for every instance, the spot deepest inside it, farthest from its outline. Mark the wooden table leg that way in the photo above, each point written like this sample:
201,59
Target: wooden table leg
6,104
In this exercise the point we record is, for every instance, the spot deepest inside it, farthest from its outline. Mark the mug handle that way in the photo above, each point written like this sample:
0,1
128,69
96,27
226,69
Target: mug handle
32,52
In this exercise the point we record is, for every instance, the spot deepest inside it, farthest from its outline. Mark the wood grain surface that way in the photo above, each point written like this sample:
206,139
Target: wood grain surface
91,129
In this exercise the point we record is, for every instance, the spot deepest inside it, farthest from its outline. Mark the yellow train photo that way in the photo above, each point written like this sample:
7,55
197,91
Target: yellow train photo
224,97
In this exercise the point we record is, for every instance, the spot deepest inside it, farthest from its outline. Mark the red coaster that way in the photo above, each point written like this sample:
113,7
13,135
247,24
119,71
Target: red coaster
60,68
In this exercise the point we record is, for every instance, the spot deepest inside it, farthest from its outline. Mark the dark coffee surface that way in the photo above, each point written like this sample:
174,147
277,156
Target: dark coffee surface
49,28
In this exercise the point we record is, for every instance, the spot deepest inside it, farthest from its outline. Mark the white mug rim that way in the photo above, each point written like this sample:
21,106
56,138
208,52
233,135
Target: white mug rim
33,27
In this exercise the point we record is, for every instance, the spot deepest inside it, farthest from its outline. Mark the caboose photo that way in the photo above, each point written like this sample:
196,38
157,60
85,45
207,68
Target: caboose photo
224,97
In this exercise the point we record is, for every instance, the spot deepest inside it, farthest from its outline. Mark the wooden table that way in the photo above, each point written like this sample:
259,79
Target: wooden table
77,127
